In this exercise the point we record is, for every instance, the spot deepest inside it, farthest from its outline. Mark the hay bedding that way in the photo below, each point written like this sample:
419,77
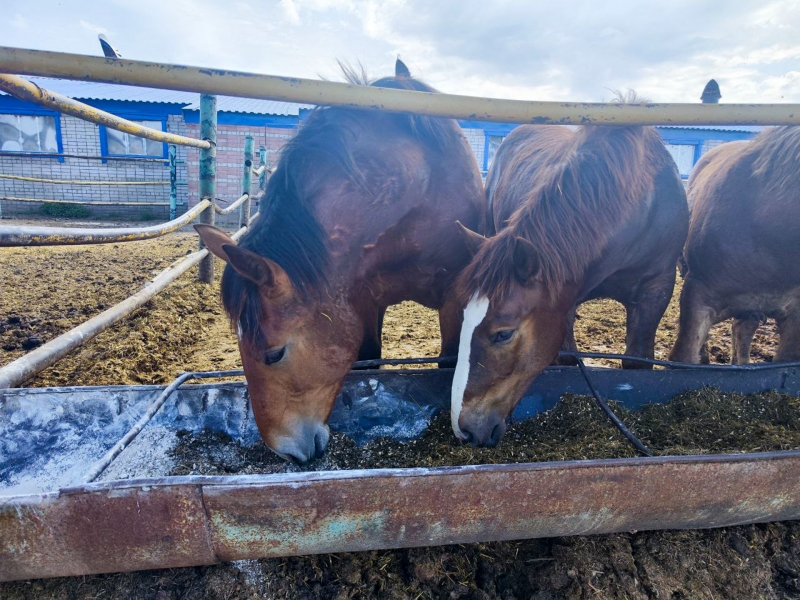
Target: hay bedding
47,291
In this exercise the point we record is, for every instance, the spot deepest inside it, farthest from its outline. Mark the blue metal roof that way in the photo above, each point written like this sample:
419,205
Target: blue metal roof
90,90
258,107
738,128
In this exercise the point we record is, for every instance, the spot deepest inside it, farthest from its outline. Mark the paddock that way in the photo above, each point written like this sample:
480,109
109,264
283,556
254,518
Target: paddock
149,344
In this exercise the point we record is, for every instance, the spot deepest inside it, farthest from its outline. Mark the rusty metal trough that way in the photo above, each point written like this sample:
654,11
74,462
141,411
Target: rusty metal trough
134,517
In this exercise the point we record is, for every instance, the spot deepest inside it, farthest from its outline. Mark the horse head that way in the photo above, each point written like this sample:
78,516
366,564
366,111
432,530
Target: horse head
295,350
512,329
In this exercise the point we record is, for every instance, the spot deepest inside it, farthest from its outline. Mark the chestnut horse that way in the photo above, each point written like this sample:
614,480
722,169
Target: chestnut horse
743,249
360,214
595,213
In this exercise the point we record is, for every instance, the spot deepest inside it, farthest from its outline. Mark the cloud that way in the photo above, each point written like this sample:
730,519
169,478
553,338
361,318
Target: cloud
572,50
94,28
290,11
19,22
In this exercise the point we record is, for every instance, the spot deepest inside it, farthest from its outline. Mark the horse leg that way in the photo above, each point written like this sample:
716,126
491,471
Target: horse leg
569,344
789,331
373,329
450,317
644,311
742,332
697,317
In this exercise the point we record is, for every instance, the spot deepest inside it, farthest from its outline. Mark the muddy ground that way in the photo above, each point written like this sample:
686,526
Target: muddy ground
48,290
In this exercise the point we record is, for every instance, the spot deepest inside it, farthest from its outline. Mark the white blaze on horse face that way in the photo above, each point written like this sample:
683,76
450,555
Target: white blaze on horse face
474,314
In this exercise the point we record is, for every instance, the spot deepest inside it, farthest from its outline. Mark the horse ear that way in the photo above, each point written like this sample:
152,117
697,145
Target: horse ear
473,240
214,239
400,69
262,271
526,260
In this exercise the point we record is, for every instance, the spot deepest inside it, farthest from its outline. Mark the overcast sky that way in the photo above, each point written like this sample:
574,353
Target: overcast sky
564,50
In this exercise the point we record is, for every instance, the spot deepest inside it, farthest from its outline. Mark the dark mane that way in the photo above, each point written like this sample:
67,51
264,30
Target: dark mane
439,133
573,193
287,230
777,152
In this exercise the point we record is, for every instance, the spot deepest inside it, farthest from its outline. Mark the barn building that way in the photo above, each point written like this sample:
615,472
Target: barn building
39,143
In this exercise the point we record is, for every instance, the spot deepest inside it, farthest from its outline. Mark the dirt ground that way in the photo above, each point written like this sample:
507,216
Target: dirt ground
46,291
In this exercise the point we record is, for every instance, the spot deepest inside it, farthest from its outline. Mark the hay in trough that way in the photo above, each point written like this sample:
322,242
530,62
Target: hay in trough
703,422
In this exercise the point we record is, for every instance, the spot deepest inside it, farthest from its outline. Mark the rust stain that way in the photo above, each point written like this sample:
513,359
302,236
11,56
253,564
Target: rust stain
184,521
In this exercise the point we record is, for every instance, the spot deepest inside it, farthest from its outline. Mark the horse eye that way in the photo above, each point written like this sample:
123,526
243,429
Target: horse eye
273,356
503,336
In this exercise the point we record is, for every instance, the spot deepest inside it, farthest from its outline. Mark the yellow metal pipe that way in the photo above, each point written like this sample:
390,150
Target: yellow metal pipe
231,207
90,202
70,182
30,92
27,235
290,89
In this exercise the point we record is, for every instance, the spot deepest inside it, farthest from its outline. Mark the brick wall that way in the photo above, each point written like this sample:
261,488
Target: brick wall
477,140
230,162
81,137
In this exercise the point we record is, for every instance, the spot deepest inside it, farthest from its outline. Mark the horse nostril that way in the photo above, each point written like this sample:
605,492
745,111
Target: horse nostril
497,434
468,437
319,445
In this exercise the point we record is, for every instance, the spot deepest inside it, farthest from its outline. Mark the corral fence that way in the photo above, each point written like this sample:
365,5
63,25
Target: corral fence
209,82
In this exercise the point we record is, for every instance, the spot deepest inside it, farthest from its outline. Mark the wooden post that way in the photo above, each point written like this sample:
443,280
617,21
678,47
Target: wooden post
173,181
247,180
208,175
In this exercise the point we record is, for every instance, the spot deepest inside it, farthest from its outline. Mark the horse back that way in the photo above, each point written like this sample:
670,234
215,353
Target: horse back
520,158
745,227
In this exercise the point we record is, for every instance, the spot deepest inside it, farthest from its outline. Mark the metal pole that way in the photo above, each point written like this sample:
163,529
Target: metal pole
331,93
36,361
30,92
33,235
173,181
208,175
247,180
262,162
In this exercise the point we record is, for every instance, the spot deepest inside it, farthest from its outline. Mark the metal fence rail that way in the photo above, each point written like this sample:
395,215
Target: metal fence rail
232,207
92,202
34,235
138,159
26,90
293,89
25,367
80,182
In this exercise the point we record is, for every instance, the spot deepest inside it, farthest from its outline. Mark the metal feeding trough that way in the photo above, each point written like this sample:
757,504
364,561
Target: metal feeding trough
80,493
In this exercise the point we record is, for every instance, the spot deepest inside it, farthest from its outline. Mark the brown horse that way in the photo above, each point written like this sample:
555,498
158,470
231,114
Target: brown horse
743,248
360,214
595,213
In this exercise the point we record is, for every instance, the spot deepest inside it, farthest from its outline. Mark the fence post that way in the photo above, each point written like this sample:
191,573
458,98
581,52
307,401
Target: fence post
208,175
247,180
262,162
173,182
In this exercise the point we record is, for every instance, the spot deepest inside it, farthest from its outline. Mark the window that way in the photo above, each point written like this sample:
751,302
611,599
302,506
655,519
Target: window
492,144
120,143
683,155
28,133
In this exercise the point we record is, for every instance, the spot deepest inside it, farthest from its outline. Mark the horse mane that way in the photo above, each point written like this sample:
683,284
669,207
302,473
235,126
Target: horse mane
776,152
575,192
287,231
437,132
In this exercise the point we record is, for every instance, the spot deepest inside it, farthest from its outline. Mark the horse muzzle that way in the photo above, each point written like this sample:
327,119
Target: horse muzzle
307,442
482,429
